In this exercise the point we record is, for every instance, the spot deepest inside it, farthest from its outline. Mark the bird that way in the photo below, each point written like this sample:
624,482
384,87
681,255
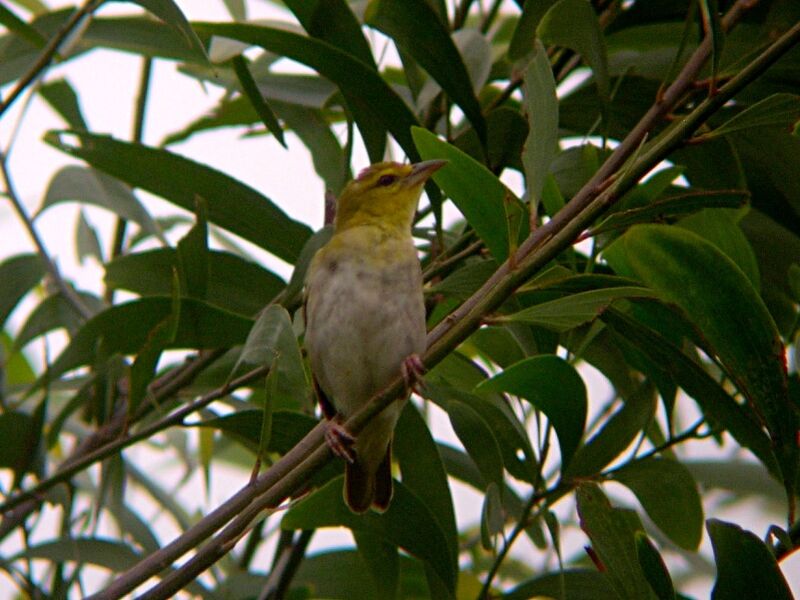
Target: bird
365,319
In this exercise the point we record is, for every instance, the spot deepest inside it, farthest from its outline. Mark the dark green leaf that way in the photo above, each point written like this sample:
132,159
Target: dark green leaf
21,28
571,584
573,24
124,329
21,434
654,568
85,185
612,532
478,440
616,434
553,386
54,312
272,340
717,297
668,493
524,37
573,310
111,554
432,47
258,102
171,14
407,524
376,107
423,472
382,560
673,206
492,518
288,428
192,254
778,110
18,274
541,106
231,204
233,282
60,95
479,195
745,566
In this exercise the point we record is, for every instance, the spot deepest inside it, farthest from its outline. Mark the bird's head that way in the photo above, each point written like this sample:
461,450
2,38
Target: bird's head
385,194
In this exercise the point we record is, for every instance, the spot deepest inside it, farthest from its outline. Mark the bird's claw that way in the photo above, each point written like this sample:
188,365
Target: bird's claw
340,441
413,371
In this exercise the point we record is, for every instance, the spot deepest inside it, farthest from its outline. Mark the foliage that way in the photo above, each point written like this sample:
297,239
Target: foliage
677,282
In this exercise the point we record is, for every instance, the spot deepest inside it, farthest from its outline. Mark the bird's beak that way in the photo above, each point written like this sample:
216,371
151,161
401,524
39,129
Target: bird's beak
421,171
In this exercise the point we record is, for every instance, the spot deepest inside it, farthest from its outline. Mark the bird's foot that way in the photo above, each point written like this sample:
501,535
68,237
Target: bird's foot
413,371
340,441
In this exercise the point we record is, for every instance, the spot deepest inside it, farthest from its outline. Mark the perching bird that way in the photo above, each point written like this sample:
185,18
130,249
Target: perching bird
365,318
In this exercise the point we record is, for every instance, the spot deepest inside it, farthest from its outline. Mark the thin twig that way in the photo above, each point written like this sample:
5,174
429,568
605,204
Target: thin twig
49,52
66,290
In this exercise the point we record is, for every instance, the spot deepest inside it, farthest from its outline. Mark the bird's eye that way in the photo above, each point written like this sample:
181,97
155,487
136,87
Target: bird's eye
385,180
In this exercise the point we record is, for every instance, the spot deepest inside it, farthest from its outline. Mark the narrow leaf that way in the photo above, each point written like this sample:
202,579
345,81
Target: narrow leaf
18,274
258,102
654,568
171,14
62,97
778,110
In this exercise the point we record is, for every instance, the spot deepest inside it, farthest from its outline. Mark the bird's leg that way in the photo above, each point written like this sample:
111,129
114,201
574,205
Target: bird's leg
413,370
339,440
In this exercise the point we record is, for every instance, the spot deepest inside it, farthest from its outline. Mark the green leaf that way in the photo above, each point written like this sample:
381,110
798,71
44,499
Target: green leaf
171,14
87,241
382,561
616,434
124,329
492,518
432,47
86,185
288,428
574,310
296,282
541,106
778,110
553,386
479,195
423,472
654,568
524,38
18,274
478,440
268,409
697,383
16,368
62,97
22,435
673,206
231,204
272,340
613,535
258,102
375,105
573,24
668,493
111,554
571,584
717,297
407,524
192,254
745,566
233,283
21,28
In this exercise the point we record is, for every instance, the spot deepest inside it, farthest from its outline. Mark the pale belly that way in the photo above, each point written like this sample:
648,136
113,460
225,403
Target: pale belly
362,322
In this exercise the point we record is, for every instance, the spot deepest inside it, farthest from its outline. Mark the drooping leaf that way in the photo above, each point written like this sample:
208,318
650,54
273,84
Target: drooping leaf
432,47
19,274
668,493
407,524
613,534
86,185
62,97
553,386
233,282
745,566
654,568
231,204
171,14
479,441
718,298
541,106
477,193
574,310
87,240
124,328
258,102
573,24
376,107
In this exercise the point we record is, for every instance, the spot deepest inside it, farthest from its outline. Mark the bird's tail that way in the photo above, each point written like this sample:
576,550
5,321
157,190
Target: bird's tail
364,488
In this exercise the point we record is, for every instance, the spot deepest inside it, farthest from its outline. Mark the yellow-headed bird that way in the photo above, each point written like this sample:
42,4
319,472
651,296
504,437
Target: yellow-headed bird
365,318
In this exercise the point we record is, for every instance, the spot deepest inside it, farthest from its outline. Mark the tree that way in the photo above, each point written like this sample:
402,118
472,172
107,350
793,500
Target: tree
656,238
